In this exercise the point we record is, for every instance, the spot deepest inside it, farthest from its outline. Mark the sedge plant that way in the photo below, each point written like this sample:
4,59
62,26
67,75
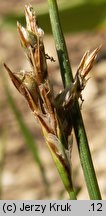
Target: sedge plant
52,112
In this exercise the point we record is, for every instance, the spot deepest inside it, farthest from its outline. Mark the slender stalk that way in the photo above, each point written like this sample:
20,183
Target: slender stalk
66,73
65,78
60,43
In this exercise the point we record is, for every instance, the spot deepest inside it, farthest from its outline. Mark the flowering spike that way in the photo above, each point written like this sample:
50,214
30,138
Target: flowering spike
52,114
30,18
86,63
15,79
27,38
23,35
31,22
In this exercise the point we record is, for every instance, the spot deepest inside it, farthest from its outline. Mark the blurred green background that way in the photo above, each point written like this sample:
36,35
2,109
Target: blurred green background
76,15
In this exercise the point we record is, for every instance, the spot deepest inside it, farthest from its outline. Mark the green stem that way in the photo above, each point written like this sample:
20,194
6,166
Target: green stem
72,195
85,155
65,78
60,43
70,188
66,73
